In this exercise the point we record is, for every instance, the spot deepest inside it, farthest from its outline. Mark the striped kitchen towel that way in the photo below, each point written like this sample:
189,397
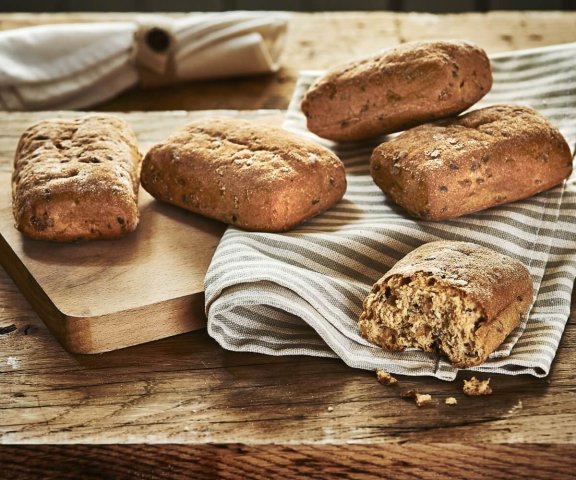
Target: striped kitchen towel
301,292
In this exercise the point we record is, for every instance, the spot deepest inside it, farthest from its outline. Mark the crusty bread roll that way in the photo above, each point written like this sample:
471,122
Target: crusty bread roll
245,174
402,87
76,179
461,165
455,298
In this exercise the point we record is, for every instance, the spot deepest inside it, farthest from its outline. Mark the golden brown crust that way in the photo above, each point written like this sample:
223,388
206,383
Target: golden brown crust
492,334
245,174
461,165
76,179
414,83
491,279
489,293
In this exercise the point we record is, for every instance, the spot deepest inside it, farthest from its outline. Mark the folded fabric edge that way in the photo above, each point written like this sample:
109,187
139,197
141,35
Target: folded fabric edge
294,305
287,301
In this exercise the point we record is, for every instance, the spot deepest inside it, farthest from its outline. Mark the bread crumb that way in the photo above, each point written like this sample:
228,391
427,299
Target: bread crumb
421,399
384,378
330,409
451,401
477,387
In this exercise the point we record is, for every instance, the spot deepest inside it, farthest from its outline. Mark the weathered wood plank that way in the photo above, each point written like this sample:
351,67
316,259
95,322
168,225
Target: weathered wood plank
187,389
256,462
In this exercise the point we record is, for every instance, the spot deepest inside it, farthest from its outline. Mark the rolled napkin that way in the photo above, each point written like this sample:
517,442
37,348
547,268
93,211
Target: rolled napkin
302,292
70,66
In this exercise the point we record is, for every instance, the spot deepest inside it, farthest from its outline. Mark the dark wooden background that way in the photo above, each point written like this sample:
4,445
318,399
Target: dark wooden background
444,6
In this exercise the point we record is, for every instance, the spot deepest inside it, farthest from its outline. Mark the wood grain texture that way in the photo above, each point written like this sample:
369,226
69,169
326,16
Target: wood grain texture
186,389
258,462
104,295
321,40
237,415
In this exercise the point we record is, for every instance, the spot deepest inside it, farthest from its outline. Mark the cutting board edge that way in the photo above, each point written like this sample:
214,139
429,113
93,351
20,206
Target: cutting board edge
105,333
91,334
29,287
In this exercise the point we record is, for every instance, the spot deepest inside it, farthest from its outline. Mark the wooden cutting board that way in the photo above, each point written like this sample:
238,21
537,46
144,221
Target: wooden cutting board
106,295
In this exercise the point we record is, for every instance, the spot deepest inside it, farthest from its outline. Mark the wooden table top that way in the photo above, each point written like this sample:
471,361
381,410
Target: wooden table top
241,415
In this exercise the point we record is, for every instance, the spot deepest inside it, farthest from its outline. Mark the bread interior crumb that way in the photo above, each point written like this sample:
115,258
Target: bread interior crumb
424,312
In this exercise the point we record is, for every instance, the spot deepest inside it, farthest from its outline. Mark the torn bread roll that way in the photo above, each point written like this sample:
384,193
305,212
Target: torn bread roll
76,179
454,298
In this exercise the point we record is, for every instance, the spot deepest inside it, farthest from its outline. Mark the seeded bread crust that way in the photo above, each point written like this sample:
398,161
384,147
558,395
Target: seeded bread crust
76,179
245,174
465,164
454,298
414,83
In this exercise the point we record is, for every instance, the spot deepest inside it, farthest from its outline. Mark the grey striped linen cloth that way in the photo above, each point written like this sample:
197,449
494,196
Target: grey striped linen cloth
301,292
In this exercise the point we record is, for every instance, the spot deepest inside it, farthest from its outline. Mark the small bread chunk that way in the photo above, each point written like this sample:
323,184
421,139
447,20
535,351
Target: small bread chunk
384,378
451,401
454,298
76,179
245,174
461,165
411,84
476,387
421,399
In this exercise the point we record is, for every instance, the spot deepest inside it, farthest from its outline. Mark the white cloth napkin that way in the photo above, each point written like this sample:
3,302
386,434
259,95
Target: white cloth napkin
71,66
301,292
